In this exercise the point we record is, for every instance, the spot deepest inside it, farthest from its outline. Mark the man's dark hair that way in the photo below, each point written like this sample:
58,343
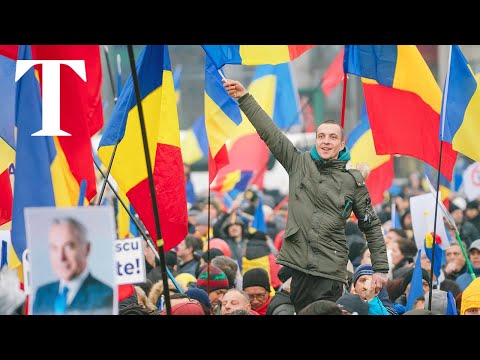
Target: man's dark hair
400,232
408,248
193,242
321,307
228,266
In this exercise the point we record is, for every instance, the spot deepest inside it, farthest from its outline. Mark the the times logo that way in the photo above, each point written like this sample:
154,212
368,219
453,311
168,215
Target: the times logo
51,90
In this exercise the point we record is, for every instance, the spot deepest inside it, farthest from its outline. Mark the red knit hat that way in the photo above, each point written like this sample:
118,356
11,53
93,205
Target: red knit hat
188,308
218,279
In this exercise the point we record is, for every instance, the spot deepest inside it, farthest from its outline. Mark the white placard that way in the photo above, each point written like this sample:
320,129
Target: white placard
27,278
130,261
422,209
471,181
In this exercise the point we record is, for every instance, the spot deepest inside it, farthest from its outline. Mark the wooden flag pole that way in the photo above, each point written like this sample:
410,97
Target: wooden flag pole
153,195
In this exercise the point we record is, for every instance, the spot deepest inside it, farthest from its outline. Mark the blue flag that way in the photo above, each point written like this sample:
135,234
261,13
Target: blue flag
451,305
416,287
259,218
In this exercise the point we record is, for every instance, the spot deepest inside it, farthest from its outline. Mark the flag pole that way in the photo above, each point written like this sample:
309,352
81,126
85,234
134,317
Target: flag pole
115,98
344,101
139,227
208,237
445,90
150,177
435,229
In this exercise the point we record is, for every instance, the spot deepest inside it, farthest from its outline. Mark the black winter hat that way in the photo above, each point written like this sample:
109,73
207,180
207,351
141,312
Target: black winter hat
256,277
258,235
472,204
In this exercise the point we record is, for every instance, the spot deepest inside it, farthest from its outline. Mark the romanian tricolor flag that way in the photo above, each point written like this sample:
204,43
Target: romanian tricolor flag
234,184
461,107
8,55
403,102
43,176
161,121
362,150
246,151
253,54
222,117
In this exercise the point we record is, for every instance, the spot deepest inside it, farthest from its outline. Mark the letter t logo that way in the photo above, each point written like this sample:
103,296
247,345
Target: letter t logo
50,91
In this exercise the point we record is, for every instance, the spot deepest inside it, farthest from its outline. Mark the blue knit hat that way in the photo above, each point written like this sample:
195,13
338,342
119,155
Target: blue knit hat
364,269
200,295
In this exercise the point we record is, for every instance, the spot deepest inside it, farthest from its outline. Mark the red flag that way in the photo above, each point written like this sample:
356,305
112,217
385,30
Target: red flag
10,51
125,291
81,111
6,198
403,102
334,74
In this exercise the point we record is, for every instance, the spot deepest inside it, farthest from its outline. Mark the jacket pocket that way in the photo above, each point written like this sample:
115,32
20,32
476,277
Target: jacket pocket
347,208
291,234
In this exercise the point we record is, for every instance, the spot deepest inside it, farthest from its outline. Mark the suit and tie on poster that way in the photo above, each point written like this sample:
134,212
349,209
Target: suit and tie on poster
72,260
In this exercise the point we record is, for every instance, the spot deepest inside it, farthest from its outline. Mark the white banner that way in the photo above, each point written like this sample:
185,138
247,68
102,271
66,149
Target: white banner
27,278
130,261
471,181
422,208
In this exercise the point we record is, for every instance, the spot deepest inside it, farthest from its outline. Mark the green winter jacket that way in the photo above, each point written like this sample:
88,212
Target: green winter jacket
322,196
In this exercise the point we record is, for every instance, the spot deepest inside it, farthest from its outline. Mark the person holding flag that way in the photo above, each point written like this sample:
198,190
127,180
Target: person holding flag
323,195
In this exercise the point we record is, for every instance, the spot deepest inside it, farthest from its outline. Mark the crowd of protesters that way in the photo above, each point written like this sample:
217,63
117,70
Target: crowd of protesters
262,287
233,271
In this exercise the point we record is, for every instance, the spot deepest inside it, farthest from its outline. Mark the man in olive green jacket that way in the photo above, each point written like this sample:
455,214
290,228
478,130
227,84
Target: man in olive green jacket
323,194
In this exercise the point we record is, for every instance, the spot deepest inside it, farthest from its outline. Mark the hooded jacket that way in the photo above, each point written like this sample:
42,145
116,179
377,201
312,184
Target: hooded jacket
323,195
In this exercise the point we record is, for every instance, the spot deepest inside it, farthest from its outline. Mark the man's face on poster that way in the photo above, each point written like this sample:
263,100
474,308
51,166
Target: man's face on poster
68,254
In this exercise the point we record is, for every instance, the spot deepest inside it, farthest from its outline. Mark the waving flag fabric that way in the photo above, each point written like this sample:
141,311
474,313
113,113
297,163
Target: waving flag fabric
461,110
8,55
195,142
403,102
42,173
233,185
286,108
362,150
416,284
334,74
81,111
394,217
258,222
253,54
162,128
222,117
246,151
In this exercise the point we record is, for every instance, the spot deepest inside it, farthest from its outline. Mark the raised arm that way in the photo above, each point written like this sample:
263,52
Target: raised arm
280,146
